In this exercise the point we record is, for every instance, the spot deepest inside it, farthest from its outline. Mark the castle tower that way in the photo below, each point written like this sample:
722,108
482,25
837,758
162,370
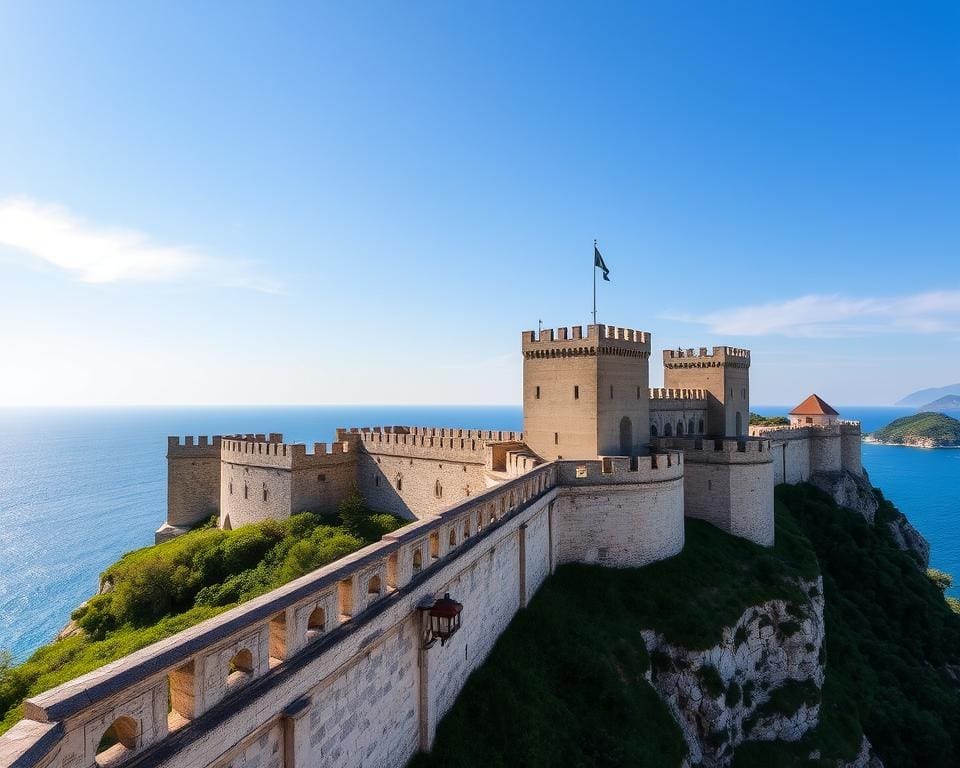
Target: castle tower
586,396
724,374
193,483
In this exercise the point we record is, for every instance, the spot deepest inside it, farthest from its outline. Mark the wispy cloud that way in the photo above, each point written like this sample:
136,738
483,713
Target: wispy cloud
837,316
97,254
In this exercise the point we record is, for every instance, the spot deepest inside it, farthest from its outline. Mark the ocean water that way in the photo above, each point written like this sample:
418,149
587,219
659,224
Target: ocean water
79,487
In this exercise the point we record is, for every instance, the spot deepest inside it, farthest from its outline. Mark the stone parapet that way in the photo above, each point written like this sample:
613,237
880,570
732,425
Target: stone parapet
599,340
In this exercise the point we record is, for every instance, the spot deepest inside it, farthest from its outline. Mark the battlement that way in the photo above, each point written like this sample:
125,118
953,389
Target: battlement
653,468
429,442
599,339
666,393
252,450
191,447
805,431
700,358
724,449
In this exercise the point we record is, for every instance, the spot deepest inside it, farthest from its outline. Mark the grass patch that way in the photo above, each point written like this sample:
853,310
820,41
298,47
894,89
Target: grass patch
160,590
564,684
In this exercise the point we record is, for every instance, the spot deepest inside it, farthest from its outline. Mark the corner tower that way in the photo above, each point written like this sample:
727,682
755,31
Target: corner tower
586,395
725,374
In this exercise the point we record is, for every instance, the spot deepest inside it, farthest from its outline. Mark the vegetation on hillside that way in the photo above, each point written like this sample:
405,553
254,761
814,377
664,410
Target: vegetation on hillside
938,428
756,420
564,684
157,591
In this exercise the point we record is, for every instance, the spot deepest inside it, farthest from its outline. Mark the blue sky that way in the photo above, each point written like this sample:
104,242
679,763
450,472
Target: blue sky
367,202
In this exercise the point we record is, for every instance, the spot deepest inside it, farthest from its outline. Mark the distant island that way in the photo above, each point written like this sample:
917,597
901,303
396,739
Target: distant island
945,403
922,397
924,430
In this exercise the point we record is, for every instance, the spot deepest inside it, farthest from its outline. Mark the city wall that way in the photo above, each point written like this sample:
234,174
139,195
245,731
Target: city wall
328,669
729,483
621,512
800,452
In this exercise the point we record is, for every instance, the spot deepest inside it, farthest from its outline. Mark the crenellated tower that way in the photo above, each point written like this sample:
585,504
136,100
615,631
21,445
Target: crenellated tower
586,395
724,374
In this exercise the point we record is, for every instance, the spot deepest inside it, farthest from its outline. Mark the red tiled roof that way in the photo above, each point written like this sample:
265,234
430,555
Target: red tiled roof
814,406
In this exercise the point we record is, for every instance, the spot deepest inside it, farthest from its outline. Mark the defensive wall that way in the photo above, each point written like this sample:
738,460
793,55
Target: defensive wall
193,482
677,411
800,452
621,511
417,471
327,670
270,479
331,669
728,482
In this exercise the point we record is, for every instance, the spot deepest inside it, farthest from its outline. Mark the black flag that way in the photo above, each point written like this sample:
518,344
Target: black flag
598,262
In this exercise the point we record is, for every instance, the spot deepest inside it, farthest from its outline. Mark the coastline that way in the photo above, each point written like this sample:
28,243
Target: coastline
922,442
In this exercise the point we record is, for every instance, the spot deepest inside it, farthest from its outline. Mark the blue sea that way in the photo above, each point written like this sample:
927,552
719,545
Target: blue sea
79,487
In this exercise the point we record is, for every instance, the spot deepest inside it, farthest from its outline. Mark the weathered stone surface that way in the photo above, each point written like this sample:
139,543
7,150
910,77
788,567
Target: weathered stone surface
769,645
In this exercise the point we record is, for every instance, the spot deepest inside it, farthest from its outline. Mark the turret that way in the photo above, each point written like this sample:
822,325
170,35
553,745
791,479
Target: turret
724,374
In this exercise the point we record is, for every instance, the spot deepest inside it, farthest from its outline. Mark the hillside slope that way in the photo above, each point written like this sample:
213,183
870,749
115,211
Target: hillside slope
925,430
921,396
571,682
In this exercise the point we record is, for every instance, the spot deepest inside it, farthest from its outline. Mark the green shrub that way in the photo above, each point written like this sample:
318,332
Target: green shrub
711,681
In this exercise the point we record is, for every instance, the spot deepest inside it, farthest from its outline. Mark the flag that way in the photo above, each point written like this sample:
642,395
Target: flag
598,262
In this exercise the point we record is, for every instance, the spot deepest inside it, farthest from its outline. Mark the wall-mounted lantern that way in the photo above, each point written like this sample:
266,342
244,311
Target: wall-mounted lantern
443,620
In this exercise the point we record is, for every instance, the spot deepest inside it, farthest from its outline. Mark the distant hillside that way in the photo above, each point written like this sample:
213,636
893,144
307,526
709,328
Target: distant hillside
945,403
925,430
921,397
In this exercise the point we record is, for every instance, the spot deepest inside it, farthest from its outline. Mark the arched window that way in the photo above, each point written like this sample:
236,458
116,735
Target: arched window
667,430
438,490
700,426
739,423
399,482
690,429
453,537
118,741
653,430
240,668
316,623
679,429
417,560
466,528
479,520
373,586
264,491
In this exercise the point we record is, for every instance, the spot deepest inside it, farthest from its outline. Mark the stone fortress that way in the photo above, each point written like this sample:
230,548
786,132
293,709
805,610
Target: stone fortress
338,668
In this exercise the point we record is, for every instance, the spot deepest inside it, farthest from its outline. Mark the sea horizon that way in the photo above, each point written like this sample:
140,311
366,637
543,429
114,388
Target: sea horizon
96,476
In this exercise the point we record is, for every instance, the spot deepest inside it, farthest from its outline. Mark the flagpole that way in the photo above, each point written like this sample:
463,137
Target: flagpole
594,282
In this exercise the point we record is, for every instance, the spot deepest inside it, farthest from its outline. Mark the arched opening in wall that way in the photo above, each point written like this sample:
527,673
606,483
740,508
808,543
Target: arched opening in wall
503,508
399,482
264,491
679,429
466,528
316,623
180,697
690,429
373,586
434,545
479,520
438,490
118,741
739,420
392,575
417,560
278,639
626,436
700,426
226,523
240,668
667,430
453,538
653,430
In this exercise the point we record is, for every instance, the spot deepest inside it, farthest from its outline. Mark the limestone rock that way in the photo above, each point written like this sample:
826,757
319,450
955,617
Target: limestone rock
849,490
718,695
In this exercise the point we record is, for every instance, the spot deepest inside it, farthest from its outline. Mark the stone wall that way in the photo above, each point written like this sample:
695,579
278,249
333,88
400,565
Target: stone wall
614,515
729,483
329,669
193,483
